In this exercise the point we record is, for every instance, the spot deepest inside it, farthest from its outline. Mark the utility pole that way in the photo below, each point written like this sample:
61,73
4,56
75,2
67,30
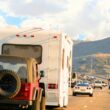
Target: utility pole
91,65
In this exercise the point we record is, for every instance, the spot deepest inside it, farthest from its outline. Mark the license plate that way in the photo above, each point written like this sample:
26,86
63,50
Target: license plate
82,89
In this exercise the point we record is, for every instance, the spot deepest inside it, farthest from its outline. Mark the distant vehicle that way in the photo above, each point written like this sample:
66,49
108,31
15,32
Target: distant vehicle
104,84
98,84
109,83
73,80
109,86
78,82
86,82
83,89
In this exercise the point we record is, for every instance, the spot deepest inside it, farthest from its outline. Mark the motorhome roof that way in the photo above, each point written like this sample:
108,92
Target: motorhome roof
38,31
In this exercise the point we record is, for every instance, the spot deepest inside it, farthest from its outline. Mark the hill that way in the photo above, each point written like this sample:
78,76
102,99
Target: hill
93,47
92,57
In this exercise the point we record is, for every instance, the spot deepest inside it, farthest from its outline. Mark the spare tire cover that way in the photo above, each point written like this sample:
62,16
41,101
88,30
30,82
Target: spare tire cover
10,83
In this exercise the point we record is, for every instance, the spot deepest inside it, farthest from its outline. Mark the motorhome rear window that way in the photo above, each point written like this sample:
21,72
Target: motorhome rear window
34,51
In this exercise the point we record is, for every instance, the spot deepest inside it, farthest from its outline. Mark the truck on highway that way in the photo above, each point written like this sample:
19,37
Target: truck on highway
54,60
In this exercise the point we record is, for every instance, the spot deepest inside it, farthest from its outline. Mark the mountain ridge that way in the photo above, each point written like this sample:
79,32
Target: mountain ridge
91,47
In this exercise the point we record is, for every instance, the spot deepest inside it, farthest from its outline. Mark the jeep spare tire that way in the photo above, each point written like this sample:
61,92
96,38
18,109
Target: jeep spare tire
10,83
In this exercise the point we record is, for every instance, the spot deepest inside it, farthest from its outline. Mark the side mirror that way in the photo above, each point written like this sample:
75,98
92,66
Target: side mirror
42,73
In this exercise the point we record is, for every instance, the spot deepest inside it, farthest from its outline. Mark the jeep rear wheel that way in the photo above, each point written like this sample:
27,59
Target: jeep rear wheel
43,103
10,83
36,105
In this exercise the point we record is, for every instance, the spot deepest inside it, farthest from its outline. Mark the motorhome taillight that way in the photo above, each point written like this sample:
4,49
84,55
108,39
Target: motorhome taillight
52,86
32,36
25,35
17,35
55,36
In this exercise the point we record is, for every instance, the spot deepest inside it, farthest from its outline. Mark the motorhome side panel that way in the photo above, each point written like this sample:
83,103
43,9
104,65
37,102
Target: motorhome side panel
66,65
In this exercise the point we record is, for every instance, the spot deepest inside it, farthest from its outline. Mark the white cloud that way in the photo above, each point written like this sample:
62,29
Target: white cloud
33,7
33,22
2,22
89,20
75,17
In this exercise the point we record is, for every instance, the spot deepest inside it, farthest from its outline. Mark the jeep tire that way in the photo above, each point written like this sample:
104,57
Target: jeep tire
36,105
42,105
10,84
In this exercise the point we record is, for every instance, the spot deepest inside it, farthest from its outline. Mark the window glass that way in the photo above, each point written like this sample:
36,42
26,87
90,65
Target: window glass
19,66
34,51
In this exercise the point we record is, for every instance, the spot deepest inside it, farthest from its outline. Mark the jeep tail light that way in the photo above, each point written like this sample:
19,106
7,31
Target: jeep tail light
27,88
25,92
52,86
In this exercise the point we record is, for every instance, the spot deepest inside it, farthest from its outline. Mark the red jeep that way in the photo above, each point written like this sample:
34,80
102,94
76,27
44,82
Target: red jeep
19,84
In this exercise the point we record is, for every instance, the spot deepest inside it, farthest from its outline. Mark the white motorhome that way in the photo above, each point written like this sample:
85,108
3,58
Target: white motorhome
55,60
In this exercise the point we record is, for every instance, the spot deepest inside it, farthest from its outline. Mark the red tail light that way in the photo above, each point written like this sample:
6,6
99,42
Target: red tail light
25,92
25,35
17,35
76,87
88,88
32,36
55,37
52,86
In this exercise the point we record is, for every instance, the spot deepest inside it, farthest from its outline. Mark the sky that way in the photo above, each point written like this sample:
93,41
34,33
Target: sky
81,19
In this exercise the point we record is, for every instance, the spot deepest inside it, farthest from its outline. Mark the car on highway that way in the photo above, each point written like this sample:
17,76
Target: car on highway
104,84
83,89
109,86
98,84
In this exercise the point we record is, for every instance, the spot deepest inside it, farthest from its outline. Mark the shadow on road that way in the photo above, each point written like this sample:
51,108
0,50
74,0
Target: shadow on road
54,108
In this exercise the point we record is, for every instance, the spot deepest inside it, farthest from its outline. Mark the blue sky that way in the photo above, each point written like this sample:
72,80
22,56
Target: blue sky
81,19
13,20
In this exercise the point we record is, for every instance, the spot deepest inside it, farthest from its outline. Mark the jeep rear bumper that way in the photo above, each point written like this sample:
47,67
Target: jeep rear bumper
15,102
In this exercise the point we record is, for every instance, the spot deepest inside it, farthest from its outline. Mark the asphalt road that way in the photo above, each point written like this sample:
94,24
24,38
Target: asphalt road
100,101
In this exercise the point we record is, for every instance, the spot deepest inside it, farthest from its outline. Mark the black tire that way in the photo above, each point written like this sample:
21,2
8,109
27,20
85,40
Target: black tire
42,85
43,100
38,102
74,94
10,83
42,105
35,105
91,95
